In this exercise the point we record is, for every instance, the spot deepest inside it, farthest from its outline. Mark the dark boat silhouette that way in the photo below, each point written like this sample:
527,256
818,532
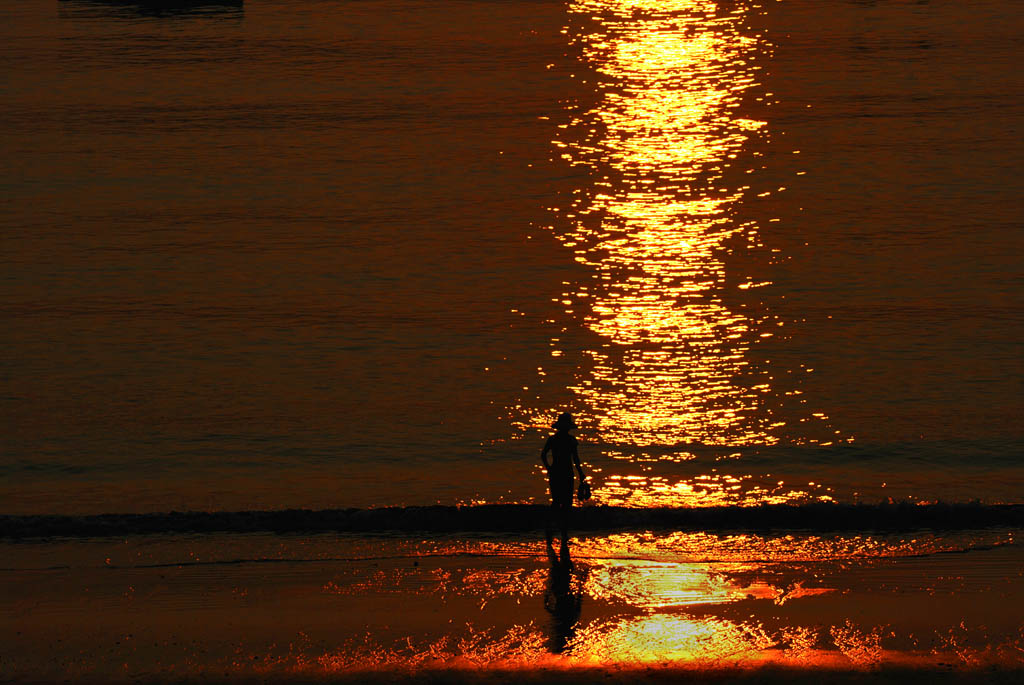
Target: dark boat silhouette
161,7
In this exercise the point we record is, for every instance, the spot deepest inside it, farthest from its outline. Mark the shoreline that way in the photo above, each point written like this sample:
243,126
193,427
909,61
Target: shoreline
517,518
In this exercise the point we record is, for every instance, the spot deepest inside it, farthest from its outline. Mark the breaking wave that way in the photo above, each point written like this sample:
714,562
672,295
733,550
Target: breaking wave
513,518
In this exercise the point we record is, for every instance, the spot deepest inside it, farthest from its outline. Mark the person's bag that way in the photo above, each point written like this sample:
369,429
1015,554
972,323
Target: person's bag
583,494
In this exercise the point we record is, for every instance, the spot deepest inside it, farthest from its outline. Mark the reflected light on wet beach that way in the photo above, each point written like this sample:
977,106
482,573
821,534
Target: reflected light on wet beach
661,585
685,601
666,637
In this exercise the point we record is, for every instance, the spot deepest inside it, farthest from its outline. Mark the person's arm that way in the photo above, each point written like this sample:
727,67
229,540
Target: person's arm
544,454
576,461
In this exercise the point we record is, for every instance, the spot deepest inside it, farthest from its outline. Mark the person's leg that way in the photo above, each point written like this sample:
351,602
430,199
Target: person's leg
549,533
561,502
566,506
556,500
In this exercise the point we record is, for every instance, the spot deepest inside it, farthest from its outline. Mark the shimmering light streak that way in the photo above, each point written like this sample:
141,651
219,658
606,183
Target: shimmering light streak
665,146
662,585
705,490
672,75
672,638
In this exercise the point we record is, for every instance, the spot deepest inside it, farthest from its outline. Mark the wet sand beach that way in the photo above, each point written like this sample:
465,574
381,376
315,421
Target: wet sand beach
485,608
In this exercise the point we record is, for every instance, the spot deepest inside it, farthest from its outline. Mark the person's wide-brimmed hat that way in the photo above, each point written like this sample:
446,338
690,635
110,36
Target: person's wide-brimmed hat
564,422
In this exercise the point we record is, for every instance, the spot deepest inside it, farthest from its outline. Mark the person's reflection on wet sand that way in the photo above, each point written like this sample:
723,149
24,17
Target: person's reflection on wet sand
561,601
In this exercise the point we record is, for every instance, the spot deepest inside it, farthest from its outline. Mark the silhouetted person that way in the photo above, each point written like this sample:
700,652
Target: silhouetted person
561,602
564,456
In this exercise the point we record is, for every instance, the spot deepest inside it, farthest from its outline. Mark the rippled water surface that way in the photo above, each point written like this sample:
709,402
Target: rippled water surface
310,254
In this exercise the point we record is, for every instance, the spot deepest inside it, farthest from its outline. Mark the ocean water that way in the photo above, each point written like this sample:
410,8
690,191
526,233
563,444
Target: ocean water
313,254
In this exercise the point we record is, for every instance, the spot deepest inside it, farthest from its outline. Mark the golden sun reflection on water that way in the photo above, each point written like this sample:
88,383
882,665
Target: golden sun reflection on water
651,228
705,490
667,145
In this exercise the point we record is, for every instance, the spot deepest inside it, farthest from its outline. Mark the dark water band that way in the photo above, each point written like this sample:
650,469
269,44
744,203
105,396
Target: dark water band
514,518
